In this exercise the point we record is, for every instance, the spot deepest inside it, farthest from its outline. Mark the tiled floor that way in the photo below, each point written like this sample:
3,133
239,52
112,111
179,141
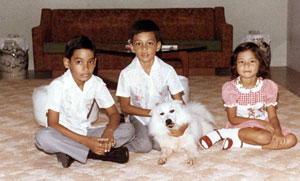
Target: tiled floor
288,78
283,76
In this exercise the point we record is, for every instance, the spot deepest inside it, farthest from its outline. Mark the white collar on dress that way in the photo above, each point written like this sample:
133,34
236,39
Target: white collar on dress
241,88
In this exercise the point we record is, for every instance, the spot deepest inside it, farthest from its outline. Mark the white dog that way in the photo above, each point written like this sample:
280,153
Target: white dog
173,114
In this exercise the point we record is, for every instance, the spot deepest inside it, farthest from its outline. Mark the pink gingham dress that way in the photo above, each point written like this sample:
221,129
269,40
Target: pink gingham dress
250,103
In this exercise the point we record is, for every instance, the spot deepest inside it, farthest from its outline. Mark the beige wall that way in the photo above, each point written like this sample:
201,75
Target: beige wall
268,16
293,45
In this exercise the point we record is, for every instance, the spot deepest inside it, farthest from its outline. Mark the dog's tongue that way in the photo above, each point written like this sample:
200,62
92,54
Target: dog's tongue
171,125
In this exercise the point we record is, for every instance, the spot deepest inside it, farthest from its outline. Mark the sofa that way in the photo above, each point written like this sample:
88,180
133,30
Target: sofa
202,26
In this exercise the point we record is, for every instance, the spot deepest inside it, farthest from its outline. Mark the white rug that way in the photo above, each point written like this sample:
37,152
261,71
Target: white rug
21,160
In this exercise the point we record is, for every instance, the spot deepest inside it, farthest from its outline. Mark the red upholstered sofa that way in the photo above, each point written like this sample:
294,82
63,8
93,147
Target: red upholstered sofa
204,26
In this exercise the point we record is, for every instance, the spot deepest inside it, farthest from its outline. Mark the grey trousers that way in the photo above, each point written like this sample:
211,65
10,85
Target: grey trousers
142,142
52,141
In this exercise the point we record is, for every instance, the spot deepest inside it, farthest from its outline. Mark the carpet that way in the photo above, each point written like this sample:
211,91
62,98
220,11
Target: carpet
21,160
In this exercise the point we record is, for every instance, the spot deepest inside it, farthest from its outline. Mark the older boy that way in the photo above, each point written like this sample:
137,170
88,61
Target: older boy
146,82
70,98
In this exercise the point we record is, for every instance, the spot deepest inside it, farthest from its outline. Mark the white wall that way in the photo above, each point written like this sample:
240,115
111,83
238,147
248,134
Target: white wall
293,45
268,16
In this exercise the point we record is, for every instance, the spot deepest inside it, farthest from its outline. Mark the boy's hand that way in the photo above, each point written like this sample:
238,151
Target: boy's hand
179,132
111,141
96,145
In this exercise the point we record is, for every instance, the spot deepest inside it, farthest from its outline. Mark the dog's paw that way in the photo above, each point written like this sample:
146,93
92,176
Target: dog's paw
191,161
162,161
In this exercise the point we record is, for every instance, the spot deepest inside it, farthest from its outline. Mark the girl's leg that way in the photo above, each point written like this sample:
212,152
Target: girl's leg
217,135
211,138
255,136
248,137
234,137
288,141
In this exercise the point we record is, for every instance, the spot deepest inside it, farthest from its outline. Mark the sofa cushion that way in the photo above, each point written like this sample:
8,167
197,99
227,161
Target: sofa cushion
114,24
59,47
211,45
54,47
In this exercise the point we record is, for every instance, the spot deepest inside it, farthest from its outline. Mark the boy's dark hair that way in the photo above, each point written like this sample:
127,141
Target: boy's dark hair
264,64
78,42
145,26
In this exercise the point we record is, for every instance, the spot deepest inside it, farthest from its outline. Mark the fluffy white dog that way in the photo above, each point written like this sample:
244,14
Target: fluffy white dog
172,115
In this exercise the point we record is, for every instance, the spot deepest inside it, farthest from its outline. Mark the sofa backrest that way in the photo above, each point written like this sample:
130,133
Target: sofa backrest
106,25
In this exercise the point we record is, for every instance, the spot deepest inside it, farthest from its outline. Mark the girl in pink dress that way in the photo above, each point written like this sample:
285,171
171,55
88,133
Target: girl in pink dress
250,100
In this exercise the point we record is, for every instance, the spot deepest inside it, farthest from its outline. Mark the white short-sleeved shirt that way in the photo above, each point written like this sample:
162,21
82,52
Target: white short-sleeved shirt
146,91
73,104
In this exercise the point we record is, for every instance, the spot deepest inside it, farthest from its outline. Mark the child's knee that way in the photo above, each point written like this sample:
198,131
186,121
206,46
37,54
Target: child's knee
42,138
143,146
264,138
291,140
126,130
130,130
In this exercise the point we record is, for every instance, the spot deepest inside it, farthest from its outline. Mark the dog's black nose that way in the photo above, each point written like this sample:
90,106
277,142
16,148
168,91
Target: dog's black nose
168,121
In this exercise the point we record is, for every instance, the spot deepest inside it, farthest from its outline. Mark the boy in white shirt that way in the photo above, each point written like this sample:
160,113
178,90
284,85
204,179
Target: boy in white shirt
71,96
146,82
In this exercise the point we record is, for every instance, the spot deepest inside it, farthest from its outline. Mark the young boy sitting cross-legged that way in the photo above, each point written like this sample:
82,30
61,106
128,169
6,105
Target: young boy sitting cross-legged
146,82
70,134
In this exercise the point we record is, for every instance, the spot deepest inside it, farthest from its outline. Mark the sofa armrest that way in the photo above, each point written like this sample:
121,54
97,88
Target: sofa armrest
41,34
226,35
224,32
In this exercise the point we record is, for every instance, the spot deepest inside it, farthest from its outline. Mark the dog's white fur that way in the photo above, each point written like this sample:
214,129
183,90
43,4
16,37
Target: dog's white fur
172,115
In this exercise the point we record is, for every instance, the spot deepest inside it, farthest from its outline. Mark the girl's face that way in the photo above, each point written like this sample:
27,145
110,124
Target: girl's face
145,46
247,64
81,65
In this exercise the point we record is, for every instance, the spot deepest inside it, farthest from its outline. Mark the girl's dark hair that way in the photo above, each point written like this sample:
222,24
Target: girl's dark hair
145,26
264,64
78,42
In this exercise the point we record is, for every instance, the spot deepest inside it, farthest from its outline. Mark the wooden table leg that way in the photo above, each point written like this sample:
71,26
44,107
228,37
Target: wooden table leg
183,55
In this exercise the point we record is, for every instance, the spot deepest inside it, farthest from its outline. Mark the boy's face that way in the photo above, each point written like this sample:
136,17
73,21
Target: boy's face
81,65
145,46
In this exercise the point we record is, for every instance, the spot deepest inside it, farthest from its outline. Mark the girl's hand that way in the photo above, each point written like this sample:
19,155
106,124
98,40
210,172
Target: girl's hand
267,125
178,132
96,145
278,139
